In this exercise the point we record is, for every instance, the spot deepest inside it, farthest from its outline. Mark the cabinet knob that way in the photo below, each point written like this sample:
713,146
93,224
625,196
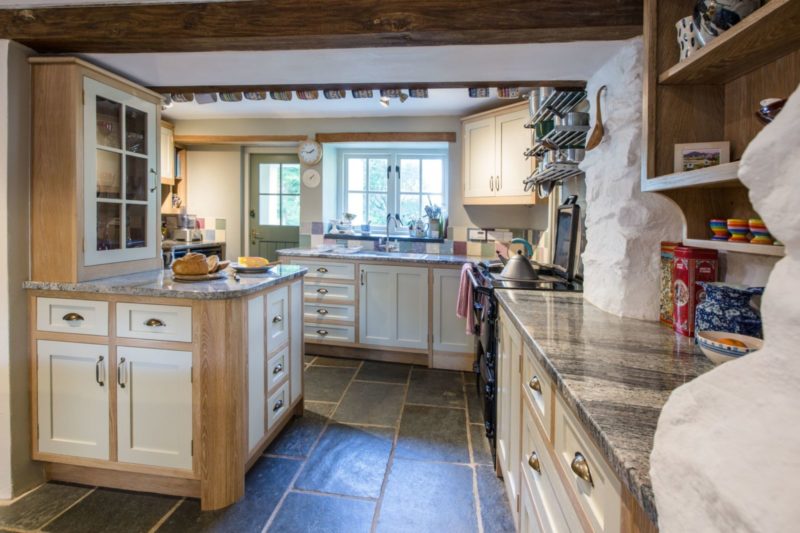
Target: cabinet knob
581,468
72,317
322,311
535,385
322,270
154,323
278,368
277,405
322,332
322,291
278,318
533,462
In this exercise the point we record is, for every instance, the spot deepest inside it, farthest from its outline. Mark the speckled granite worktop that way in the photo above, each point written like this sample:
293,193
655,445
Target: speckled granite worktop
615,373
368,255
159,283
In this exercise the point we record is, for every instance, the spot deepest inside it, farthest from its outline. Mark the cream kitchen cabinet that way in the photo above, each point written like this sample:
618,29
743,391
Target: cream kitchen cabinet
493,161
449,331
509,412
393,306
167,160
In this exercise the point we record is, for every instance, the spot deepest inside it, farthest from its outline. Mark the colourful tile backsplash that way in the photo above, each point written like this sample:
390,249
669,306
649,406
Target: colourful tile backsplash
214,228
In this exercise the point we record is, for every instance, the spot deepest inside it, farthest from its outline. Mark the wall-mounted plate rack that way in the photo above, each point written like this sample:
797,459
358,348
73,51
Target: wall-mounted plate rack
560,137
562,101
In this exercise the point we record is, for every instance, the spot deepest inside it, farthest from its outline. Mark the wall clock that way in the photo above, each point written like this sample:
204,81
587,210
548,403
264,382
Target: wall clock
311,178
309,152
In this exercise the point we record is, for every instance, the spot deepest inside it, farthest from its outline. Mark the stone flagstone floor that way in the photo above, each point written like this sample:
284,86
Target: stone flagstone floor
382,447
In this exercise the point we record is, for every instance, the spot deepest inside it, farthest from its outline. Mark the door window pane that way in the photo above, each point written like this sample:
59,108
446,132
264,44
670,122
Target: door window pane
136,225
108,226
109,130
290,179
279,194
269,210
290,212
136,178
109,174
135,130
269,178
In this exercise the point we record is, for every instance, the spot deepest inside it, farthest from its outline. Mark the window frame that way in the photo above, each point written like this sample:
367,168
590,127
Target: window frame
280,194
394,155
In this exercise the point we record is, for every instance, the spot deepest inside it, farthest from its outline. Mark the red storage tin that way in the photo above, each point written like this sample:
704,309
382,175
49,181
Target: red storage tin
690,266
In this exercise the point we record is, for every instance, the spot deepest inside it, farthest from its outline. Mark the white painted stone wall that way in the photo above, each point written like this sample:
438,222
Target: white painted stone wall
624,227
727,447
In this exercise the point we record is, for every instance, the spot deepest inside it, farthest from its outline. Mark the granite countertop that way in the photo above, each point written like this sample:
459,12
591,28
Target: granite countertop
615,373
170,244
369,255
159,283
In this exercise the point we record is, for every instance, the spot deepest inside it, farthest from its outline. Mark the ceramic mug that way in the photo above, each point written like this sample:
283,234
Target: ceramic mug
687,37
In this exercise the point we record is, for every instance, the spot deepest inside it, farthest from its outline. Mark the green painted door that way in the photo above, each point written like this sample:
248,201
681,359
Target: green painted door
274,204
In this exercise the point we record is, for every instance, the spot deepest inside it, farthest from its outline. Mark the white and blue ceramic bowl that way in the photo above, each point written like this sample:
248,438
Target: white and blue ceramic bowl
719,352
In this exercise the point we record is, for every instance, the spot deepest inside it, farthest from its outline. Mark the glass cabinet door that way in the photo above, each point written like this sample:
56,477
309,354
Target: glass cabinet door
121,183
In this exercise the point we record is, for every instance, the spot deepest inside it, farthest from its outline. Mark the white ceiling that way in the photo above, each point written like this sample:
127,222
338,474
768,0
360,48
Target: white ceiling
509,62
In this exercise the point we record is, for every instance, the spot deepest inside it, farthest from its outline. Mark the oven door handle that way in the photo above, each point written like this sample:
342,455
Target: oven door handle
473,281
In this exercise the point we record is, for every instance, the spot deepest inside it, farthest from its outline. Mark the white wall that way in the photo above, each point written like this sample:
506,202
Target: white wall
725,456
17,472
215,189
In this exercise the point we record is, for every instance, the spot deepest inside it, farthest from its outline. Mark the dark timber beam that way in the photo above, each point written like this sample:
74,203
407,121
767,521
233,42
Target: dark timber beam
313,24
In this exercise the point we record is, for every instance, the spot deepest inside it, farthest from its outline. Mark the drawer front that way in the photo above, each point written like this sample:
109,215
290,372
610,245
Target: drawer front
327,270
554,510
323,312
329,292
277,368
277,405
277,318
154,322
600,499
63,315
538,389
322,333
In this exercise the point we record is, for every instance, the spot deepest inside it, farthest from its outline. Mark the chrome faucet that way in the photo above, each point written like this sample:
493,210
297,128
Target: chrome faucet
391,220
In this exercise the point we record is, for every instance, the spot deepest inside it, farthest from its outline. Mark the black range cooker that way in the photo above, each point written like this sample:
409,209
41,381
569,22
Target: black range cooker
488,276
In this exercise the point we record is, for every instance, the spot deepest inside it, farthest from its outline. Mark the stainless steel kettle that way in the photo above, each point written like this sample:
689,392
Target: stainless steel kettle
518,267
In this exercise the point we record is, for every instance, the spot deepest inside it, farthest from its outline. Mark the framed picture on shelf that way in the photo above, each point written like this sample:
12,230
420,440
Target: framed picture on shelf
694,156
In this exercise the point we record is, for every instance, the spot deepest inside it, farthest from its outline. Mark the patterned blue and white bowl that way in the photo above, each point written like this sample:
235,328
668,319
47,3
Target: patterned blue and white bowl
719,352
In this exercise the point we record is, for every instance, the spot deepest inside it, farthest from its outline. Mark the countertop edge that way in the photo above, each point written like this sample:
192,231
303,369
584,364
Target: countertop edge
643,493
396,257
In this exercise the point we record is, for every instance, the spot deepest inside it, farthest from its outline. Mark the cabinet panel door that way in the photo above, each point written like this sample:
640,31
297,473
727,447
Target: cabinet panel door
256,388
154,407
167,155
411,303
72,398
449,331
512,140
296,343
377,305
478,162
277,318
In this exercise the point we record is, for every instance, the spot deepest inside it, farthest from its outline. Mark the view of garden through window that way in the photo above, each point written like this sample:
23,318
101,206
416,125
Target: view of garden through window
279,194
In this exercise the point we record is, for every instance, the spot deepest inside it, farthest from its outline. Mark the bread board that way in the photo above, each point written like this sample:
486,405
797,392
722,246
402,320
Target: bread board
200,277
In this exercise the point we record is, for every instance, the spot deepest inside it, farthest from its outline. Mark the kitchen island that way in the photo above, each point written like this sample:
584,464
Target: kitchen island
140,382
591,390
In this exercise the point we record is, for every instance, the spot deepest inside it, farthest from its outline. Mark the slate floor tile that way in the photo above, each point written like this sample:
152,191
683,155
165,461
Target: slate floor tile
436,387
314,513
337,361
302,432
107,510
308,359
326,384
349,460
40,506
422,497
386,372
433,434
495,511
265,484
474,407
371,403
481,453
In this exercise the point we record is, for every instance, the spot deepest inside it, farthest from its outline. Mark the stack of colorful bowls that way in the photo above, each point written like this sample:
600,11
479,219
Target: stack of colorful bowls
738,227
760,232
719,227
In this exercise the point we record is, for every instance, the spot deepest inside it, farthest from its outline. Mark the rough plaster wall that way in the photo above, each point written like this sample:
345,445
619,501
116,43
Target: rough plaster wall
726,448
623,225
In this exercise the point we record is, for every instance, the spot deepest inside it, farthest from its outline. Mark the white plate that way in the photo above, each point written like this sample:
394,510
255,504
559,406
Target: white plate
252,270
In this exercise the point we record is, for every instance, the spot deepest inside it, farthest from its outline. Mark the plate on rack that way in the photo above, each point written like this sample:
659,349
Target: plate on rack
200,277
252,270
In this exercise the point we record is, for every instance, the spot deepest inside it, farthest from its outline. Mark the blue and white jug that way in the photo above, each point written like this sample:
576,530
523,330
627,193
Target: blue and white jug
727,307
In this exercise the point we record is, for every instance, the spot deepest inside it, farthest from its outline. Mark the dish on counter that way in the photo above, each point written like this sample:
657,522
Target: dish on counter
722,346
242,269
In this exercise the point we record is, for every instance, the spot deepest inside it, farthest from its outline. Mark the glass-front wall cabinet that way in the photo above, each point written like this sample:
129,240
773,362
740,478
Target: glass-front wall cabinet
121,182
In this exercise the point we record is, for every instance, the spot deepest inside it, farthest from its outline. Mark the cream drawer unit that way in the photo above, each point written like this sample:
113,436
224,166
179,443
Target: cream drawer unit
65,315
528,518
591,479
540,474
315,312
154,322
321,333
277,405
327,270
329,292
277,318
538,388
277,368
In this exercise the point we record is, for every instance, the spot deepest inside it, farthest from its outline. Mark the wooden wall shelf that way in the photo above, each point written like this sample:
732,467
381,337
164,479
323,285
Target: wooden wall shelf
718,176
740,247
764,36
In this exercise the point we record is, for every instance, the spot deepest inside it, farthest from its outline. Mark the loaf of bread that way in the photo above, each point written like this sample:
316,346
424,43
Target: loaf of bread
191,264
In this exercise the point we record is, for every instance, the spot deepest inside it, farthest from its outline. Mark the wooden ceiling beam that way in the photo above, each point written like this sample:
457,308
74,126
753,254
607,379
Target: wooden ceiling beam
316,24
